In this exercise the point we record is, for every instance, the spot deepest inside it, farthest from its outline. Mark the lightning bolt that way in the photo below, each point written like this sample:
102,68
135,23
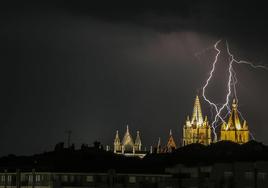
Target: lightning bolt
231,85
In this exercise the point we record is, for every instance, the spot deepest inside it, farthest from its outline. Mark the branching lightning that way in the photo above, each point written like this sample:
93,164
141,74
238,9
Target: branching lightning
231,87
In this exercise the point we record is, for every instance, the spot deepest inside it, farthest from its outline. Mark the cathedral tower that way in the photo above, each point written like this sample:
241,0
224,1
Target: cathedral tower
128,147
117,143
127,142
196,130
171,145
233,130
137,144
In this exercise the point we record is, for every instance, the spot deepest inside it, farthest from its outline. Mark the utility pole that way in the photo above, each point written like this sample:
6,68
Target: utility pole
69,133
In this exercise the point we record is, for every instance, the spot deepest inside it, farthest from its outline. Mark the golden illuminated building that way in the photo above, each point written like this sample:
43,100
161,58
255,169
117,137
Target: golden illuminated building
233,130
196,130
171,145
128,147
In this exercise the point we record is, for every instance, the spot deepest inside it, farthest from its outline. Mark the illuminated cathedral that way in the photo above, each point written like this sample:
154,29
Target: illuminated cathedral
196,129
233,130
128,147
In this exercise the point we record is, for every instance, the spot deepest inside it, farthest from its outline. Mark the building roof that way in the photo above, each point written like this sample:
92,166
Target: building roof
127,141
138,139
197,113
233,121
171,143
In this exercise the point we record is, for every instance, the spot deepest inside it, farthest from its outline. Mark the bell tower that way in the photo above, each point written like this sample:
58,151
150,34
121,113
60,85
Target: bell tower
233,130
196,130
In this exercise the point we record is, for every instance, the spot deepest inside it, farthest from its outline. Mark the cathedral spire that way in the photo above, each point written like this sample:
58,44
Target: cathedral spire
158,149
117,139
233,121
188,122
171,145
117,143
233,130
197,113
127,129
159,142
127,141
138,141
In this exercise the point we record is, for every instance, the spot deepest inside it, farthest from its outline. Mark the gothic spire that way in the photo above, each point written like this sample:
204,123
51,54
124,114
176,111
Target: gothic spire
127,141
138,139
197,113
159,142
233,121
117,139
158,145
171,143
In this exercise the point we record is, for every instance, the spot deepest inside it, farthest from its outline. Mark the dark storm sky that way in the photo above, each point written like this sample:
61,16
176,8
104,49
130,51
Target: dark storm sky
94,68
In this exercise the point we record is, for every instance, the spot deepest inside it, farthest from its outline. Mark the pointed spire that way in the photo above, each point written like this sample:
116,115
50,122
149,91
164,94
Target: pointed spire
158,150
127,141
234,104
159,142
205,124
223,127
245,126
171,143
138,141
233,121
188,123
151,149
197,113
117,139
117,143
127,129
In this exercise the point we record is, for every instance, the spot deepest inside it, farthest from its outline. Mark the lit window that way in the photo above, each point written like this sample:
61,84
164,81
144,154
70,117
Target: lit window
30,178
38,178
249,175
132,179
3,178
9,178
89,178
262,175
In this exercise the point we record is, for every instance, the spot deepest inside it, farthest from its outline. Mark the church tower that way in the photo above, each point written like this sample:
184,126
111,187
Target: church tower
117,143
171,145
196,129
233,130
127,142
127,147
137,144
